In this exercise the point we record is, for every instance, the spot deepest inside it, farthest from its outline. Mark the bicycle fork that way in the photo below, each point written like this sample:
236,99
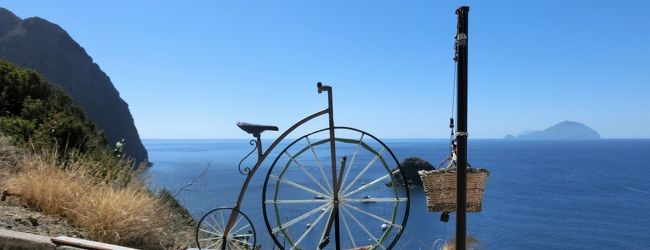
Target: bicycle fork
335,212
334,219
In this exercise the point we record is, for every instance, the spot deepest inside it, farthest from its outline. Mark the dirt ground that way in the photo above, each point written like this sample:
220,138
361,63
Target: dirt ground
16,216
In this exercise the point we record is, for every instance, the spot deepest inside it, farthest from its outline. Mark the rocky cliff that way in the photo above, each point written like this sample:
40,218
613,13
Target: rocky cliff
45,47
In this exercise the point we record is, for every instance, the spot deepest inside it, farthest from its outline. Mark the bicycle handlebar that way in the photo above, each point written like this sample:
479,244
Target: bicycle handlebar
322,87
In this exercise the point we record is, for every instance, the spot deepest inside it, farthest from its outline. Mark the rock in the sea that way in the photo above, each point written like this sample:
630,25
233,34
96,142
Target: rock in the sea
411,166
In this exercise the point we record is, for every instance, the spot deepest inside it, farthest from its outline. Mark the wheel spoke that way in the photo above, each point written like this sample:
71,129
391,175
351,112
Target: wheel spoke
296,185
347,228
354,155
210,232
308,194
366,186
307,173
373,200
299,218
214,224
211,236
313,225
363,171
239,241
325,228
241,228
217,242
236,223
296,201
373,216
205,239
223,223
363,227
322,171
242,235
233,245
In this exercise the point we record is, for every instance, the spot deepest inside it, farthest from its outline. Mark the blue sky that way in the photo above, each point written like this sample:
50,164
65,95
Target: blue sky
191,69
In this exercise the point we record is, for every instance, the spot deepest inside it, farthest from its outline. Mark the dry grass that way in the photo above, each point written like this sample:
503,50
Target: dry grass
8,160
111,206
9,154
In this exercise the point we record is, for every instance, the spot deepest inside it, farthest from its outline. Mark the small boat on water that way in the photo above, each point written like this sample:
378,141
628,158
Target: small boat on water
367,199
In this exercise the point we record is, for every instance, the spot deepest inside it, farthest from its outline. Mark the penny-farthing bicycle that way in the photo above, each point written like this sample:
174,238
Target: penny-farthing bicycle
335,188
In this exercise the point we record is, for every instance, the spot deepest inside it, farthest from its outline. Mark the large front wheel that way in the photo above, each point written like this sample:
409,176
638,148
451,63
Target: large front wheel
299,201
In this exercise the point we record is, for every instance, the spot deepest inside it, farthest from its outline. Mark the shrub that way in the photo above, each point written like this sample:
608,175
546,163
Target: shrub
36,113
113,207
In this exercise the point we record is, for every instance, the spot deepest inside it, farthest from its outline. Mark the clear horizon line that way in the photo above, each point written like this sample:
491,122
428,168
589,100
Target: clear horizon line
403,138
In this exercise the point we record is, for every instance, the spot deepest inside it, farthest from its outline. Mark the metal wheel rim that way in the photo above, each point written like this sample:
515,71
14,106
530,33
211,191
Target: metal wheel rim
219,229
404,200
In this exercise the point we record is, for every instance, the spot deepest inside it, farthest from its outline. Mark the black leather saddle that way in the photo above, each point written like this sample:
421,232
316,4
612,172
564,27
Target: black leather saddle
255,129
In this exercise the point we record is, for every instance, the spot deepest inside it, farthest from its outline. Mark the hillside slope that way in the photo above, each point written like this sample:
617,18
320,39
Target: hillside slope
45,47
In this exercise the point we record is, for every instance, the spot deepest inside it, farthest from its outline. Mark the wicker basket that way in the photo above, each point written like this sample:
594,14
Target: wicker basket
440,187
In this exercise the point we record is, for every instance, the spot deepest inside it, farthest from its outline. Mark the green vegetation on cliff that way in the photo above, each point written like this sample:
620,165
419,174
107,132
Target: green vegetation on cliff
36,113
47,48
57,161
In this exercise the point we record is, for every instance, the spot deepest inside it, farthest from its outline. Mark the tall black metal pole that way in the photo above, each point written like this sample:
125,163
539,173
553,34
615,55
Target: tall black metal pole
461,132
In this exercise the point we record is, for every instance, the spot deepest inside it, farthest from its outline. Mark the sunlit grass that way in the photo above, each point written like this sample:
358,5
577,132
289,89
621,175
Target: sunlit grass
109,202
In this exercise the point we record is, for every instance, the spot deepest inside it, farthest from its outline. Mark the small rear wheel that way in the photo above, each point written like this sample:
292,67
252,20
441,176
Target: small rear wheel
211,227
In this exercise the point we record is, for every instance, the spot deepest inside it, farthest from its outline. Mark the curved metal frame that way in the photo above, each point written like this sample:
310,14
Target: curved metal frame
247,170
262,155
407,209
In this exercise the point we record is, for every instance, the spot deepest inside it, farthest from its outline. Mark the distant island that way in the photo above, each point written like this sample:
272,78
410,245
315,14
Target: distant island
566,130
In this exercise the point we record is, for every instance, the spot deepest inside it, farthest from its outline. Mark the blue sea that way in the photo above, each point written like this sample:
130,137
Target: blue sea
540,194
